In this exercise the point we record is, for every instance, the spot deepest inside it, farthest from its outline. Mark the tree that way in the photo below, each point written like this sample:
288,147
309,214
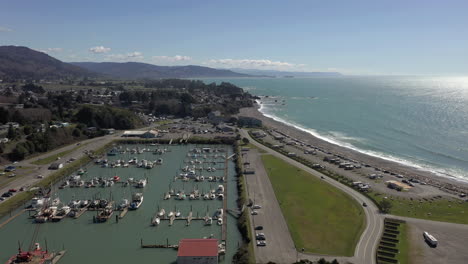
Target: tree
27,130
245,140
76,132
11,132
385,206
18,153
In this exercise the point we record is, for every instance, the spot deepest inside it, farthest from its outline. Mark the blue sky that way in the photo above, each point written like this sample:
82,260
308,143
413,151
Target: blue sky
354,37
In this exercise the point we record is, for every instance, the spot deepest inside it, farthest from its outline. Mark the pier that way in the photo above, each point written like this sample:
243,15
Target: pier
224,226
158,245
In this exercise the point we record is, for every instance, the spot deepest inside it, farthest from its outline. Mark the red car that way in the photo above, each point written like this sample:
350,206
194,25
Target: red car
12,190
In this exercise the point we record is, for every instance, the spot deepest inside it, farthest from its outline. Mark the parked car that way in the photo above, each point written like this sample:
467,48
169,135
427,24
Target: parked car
254,213
40,176
256,206
364,204
10,168
261,243
12,190
259,228
7,194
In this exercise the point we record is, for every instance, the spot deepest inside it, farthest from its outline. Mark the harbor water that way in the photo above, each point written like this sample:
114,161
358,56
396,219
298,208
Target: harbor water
112,242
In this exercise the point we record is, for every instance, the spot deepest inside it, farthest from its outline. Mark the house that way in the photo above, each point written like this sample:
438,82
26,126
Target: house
198,251
215,117
55,166
225,128
258,134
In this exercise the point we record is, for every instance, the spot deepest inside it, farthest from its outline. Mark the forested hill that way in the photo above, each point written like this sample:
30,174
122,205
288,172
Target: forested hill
138,70
24,63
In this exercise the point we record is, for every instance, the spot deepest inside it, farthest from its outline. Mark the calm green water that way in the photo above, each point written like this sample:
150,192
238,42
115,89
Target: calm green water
111,242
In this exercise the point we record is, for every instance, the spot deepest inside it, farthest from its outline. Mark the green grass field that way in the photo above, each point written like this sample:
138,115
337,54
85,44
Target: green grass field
403,245
436,208
321,218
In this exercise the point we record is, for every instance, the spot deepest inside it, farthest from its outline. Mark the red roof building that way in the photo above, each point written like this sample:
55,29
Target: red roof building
198,251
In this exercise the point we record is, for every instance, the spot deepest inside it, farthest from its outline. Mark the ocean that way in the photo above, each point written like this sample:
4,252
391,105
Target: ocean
419,121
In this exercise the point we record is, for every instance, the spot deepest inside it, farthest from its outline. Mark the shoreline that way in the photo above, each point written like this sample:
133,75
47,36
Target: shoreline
452,186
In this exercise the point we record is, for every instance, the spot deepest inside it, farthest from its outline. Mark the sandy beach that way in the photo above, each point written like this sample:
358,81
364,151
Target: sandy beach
448,185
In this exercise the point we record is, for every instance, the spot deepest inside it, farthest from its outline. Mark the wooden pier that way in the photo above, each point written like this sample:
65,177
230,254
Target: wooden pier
158,245
172,219
58,256
189,218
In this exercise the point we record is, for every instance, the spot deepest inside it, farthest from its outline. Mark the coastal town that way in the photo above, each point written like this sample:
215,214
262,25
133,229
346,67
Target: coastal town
123,166
244,132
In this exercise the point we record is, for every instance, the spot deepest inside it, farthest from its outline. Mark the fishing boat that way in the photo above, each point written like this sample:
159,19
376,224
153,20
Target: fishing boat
137,200
37,256
141,183
104,215
155,221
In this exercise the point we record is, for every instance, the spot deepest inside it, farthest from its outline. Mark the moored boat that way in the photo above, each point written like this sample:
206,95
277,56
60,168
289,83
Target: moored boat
137,200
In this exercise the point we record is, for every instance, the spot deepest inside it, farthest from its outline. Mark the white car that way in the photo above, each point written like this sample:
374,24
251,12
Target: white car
261,243
256,206
254,213
40,176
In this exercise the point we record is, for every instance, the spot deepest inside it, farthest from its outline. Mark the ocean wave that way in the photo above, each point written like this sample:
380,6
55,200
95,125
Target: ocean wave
439,171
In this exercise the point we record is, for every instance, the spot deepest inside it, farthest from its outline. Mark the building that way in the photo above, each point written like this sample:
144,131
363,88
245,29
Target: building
198,251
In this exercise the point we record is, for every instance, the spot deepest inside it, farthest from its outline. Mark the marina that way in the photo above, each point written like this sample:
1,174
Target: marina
94,213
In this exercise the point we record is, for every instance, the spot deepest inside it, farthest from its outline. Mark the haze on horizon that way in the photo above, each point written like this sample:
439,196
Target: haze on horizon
352,37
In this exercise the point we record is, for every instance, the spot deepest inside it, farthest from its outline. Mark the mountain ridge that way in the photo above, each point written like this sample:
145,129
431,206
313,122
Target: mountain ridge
139,70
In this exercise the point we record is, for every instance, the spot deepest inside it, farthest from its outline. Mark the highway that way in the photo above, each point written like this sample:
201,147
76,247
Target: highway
366,247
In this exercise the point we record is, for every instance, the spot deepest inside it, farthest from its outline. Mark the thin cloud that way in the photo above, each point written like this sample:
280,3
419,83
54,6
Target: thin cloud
135,56
54,50
99,49
253,64
5,29
176,58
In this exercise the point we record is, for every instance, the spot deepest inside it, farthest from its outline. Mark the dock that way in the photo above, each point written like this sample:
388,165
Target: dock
224,226
158,245
80,212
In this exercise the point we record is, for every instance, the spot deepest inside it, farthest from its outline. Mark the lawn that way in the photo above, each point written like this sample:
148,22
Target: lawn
403,245
321,218
436,208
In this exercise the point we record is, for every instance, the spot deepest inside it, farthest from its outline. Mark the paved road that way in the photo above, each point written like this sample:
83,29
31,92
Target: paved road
366,247
31,178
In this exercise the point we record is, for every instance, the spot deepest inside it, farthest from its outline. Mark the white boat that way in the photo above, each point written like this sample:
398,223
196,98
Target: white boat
170,214
208,220
167,196
141,183
74,204
212,196
123,204
221,196
177,214
220,221
159,161
156,220
137,200
162,212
